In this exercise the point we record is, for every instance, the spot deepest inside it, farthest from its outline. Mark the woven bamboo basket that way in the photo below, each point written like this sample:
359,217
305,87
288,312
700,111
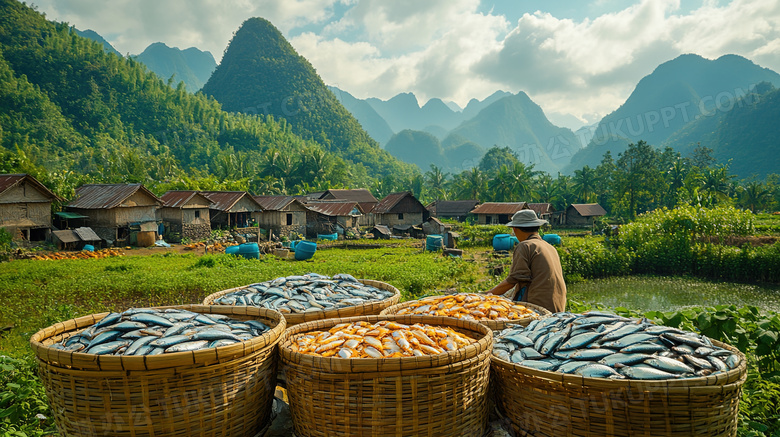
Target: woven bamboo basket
210,392
366,309
438,395
542,403
495,325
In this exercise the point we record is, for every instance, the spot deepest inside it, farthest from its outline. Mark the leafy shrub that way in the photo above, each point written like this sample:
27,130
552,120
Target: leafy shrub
24,409
589,258
479,235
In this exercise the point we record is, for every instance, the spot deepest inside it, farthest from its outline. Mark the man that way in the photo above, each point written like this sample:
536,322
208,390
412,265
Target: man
536,272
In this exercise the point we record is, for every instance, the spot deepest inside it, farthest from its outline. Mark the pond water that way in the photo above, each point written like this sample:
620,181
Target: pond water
658,293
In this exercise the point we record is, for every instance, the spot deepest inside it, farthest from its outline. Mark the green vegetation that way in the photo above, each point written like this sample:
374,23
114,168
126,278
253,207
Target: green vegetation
70,113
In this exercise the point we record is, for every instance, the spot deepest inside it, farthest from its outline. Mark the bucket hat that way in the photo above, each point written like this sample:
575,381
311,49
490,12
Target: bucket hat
525,218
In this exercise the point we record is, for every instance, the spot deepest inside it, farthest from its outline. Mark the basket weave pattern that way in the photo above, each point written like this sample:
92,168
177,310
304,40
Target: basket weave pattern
495,325
212,392
542,403
368,308
437,395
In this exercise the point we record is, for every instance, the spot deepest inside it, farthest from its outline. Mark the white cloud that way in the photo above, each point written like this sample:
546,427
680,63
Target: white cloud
447,49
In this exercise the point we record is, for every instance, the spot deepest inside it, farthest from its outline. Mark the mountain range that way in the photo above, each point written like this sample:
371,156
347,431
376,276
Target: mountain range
686,102
677,93
191,66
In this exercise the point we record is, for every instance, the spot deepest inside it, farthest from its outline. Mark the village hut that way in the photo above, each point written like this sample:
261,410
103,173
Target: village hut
334,216
583,214
362,196
282,215
232,209
118,213
497,213
399,211
25,207
186,213
452,209
75,239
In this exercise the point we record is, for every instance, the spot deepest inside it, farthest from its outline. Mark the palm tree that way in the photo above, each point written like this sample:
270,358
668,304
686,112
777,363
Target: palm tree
437,181
756,196
473,185
584,183
715,182
523,181
500,187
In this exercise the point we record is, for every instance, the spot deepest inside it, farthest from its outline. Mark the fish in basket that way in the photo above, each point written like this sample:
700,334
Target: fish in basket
387,375
312,296
610,375
164,372
496,312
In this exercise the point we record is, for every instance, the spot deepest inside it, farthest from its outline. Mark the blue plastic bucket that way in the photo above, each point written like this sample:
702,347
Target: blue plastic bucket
553,239
249,250
231,250
332,237
502,242
89,248
305,250
433,242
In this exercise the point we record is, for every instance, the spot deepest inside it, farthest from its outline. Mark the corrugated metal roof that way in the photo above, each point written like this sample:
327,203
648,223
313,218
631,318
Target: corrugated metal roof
179,198
391,200
225,200
75,235
452,207
274,203
106,196
541,208
69,215
66,236
10,180
358,195
87,234
589,209
499,208
335,209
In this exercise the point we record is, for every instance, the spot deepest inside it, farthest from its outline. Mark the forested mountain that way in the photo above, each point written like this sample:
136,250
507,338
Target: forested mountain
674,94
261,73
373,123
94,36
70,113
191,66
746,134
520,124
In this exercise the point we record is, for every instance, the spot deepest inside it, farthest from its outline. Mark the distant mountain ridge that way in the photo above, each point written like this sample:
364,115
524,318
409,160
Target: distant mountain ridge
261,73
676,93
191,66
94,36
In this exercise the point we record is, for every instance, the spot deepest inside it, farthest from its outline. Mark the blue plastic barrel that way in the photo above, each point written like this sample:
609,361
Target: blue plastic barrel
305,250
502,242
293,244
433,242
249,250
553,239
89,248
513,241
332,237
231,250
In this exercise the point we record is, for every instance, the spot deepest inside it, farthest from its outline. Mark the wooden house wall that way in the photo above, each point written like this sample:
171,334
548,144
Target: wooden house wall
118,217
391,219
574,218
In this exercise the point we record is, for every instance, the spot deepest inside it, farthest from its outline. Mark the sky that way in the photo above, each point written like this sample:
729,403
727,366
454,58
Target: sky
579,60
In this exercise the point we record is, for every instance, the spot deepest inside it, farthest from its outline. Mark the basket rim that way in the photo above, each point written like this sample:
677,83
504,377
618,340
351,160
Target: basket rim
84,361
721,378
336,364
297,318
540,310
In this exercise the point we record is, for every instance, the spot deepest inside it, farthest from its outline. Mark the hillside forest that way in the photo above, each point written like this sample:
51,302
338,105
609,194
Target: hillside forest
71,113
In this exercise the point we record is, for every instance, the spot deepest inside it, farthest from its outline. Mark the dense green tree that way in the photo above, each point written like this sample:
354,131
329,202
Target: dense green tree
495,157
638,181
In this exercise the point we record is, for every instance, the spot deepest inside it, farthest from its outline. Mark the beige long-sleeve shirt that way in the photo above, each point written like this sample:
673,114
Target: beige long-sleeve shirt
537,266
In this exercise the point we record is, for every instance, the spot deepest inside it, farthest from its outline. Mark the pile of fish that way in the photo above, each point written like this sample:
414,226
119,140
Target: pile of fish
384,339
470,306
300,294
603,345
146,331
